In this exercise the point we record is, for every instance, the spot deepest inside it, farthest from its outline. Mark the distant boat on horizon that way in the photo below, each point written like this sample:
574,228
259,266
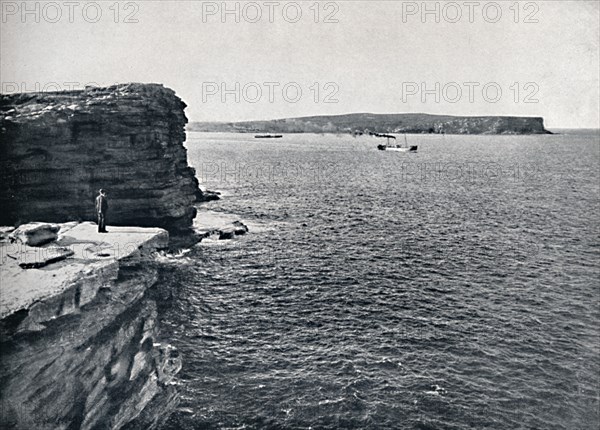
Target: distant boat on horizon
268,136
398,148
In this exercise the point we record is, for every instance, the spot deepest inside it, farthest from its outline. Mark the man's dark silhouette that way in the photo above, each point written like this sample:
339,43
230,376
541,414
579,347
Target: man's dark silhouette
101,209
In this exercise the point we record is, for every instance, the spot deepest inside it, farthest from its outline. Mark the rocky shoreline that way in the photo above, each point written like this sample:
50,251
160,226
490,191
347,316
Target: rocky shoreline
79,326
79,334
80,340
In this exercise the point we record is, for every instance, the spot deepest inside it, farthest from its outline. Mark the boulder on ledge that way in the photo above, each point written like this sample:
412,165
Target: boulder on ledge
35,233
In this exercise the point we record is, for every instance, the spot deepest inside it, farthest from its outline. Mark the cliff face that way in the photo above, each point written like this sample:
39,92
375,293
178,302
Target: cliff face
79,337
58,149
384,123
490,125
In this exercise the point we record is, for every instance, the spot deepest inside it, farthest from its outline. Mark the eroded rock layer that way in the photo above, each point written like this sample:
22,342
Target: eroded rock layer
58,149
79,337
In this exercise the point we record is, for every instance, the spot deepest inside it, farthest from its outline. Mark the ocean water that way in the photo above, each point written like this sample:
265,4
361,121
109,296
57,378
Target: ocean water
454,288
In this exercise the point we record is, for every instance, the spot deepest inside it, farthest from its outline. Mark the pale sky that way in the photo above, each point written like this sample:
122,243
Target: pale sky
377,57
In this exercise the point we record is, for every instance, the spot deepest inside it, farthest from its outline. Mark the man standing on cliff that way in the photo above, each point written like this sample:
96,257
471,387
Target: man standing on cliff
101,209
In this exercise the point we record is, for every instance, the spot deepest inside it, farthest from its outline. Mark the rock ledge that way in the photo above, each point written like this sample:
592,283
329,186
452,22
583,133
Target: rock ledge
79,337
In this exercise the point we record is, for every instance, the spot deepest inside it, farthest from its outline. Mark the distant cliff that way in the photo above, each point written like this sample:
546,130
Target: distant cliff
58,149
383,123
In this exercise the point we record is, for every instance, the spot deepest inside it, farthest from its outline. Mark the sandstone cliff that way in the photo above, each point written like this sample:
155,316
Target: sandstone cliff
58,149
79,337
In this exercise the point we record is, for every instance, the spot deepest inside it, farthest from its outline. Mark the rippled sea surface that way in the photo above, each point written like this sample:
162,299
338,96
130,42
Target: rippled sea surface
454,288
